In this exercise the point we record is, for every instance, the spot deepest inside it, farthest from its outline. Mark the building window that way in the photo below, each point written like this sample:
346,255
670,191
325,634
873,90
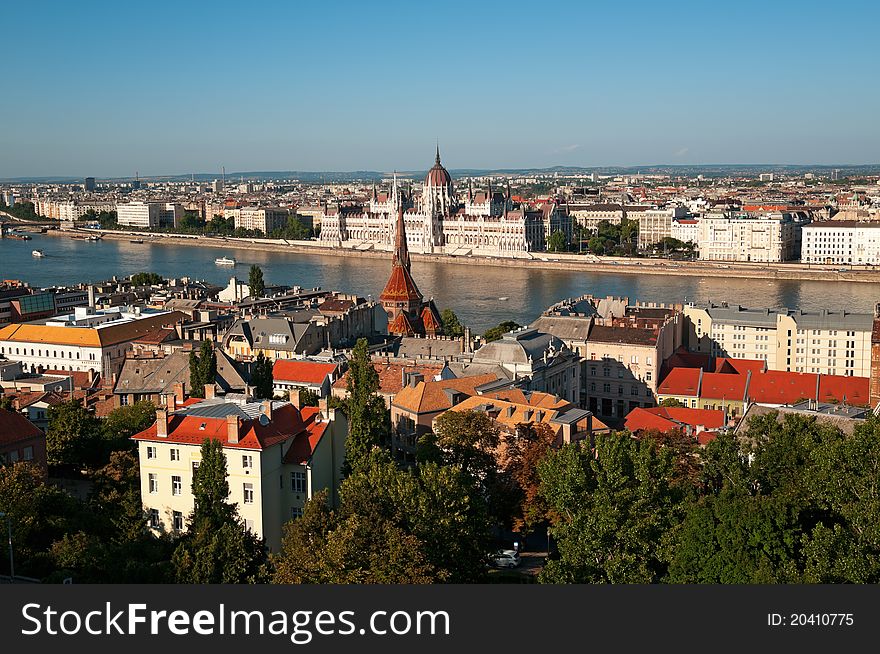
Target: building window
295,512
298,482
176,485
154,483
248,493
13,456
247,461
177,520
28,453
151,452
154,518
175,454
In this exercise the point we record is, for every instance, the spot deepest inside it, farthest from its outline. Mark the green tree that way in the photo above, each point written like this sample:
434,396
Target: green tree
308,397
6,403
262,378
124,422
451,326
495,333
321,547
202,368
526,448
614,510
557,242
672,402
72,436
217,547
368,419
147,279
256,285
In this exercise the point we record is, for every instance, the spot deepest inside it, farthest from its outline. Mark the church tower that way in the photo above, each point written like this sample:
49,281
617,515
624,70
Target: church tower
401,297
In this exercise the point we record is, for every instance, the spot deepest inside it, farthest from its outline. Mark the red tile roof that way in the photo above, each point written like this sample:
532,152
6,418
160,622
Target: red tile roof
666,418
308,372
304,445
187,430
15,428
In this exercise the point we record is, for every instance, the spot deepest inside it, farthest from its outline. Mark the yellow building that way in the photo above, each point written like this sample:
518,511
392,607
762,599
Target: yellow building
277,457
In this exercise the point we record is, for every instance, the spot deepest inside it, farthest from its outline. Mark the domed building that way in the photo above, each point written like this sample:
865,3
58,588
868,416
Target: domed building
482,223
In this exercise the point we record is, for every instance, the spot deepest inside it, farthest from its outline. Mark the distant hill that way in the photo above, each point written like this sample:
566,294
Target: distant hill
332,177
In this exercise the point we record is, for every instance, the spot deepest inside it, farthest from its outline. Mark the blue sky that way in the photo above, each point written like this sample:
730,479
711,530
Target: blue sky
108,88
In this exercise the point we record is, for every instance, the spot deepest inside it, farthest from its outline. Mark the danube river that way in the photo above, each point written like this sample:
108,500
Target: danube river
473,292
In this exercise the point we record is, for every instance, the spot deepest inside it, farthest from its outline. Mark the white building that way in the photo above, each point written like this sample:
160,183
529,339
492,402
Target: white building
263,219
439,221
733,236
686,230
149,215
86,340
277,457
840,242
824,342
656,224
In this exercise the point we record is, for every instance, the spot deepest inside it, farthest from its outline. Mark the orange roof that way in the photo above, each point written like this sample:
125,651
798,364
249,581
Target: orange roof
309,372
430,396
400,287
401,325
87,336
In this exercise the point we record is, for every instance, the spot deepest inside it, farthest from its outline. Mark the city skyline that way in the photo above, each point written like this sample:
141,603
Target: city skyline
347,87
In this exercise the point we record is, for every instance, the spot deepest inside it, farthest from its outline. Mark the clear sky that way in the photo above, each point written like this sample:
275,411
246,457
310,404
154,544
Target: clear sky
110,88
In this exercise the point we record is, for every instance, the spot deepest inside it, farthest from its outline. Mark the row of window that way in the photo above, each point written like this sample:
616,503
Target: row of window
27,454
24,352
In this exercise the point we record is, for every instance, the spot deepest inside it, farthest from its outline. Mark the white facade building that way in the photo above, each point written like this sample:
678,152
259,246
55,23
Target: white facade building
149,215
439,221
840,242
262,219
731,236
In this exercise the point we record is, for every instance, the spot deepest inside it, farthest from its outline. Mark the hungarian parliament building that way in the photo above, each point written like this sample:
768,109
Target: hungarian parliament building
439,221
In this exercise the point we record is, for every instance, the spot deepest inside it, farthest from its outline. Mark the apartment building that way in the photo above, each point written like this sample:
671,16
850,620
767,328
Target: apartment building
263,219
841,243
622,349
686,230
826,342
656,224
149,215
733,236
277,458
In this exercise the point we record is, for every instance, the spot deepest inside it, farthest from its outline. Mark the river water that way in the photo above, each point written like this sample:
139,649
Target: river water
473,292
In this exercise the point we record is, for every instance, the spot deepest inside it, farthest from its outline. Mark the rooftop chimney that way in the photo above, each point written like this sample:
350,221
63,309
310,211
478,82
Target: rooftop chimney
170,402
210,391
162,422
266,408
232,428
91,296
179,392
294,398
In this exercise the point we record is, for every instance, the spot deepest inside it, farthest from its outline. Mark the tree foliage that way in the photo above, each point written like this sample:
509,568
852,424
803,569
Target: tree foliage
262,377
217,547
368,419
202,368
147,279
393,526
451,326
495,333
73,436
256,284
557,242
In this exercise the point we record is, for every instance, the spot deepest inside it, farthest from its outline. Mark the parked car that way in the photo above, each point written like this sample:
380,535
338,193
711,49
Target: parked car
505,559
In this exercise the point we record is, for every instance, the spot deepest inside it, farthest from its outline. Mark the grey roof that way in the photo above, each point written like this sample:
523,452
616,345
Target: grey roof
767,317
568,328
524,345
571,416
220,408
468,369
413,348
157,376
845,423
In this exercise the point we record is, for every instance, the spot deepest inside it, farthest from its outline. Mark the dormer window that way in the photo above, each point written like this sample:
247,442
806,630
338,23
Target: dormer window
202,426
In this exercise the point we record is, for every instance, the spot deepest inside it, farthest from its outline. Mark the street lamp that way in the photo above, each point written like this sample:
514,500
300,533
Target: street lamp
11,560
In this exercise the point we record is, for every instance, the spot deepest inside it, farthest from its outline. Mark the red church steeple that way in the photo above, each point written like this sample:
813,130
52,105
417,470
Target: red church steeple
401,297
